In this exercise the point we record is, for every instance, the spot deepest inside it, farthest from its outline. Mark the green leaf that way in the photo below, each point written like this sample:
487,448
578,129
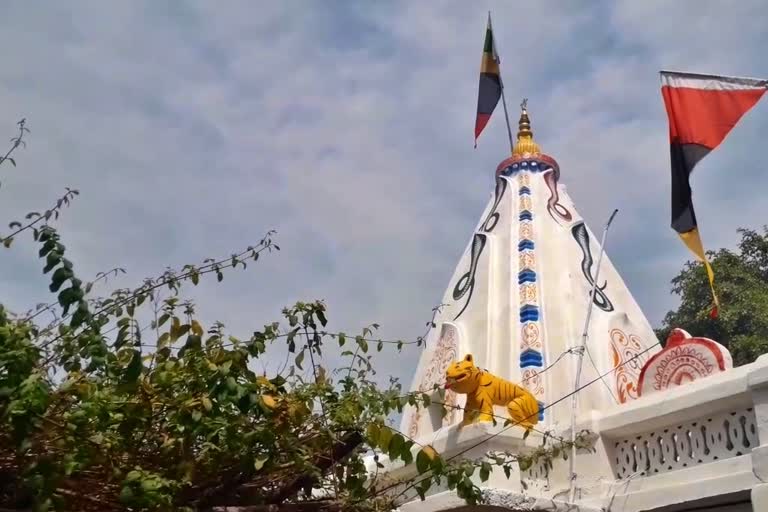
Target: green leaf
485,471
396,446
207,404
122,336
47,247
362,343
385,436
193,342
379,346
259,463
342,339
196,328
321,317
299,359
406,454
422,461
163,340
53,259
133,370
373,432
126,495
58,278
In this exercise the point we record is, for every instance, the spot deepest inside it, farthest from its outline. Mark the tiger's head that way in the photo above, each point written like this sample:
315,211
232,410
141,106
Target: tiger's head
461,376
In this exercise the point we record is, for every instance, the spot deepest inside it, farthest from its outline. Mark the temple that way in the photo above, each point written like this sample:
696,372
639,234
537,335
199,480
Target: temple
662,429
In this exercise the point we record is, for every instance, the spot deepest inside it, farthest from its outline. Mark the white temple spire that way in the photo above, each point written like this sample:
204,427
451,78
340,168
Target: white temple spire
519,296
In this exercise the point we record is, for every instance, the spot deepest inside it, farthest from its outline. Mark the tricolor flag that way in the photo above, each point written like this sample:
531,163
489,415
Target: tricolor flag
490,82
702,110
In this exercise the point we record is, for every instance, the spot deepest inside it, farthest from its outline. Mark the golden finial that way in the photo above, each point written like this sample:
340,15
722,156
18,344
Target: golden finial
525,143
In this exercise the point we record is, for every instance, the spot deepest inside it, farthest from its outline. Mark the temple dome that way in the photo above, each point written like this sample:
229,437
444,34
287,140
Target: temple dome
526,149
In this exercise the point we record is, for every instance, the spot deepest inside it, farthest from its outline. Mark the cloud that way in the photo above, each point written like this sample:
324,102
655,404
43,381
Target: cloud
191,129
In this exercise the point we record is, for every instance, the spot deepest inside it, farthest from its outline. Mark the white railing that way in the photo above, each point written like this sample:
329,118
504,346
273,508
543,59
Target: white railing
700,441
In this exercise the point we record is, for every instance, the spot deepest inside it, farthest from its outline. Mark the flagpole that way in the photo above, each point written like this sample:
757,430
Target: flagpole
501,82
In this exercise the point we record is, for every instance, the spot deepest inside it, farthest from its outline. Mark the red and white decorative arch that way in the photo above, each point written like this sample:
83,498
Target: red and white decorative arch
684,359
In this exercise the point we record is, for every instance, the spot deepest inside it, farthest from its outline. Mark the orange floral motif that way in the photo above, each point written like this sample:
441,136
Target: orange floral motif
531,337
413,428
526,230
626,348
445,353
525,203
451,401
533,382
527,260
528,293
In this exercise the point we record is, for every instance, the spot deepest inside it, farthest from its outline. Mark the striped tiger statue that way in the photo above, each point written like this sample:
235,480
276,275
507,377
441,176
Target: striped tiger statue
484,390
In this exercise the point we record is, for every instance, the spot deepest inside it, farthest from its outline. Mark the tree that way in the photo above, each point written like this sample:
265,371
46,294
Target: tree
128,402
742,286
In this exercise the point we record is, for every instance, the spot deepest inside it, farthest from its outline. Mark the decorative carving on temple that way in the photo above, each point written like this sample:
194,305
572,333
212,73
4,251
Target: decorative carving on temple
628,359
444,354
683,359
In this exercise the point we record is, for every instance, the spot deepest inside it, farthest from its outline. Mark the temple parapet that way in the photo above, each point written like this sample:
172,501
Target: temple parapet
700,444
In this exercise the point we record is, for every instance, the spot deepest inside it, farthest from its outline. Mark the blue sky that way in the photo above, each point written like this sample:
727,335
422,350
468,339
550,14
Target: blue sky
191,128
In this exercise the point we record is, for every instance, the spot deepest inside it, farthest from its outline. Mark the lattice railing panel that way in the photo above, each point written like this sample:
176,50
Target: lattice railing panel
702,441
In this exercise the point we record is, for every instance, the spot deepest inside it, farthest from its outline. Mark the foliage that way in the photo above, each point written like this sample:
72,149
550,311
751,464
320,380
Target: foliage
740,278
128,401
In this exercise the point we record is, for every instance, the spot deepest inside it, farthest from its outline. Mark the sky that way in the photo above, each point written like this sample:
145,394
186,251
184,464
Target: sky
192,128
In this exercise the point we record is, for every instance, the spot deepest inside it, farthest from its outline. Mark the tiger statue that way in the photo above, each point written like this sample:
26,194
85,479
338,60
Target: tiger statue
484,390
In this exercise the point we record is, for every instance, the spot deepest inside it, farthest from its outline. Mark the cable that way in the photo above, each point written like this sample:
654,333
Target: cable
569,351
607,386
505,418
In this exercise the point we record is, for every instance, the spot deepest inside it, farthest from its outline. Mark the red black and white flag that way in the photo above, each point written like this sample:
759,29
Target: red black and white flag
489,90
702,110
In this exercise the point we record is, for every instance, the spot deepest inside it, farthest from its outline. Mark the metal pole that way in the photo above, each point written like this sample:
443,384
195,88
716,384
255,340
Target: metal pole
501,83
580,351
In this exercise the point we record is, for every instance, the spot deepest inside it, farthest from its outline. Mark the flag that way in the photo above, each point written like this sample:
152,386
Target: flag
490,82
702,110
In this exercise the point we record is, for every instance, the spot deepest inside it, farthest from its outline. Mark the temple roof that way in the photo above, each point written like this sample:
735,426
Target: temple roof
526,148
